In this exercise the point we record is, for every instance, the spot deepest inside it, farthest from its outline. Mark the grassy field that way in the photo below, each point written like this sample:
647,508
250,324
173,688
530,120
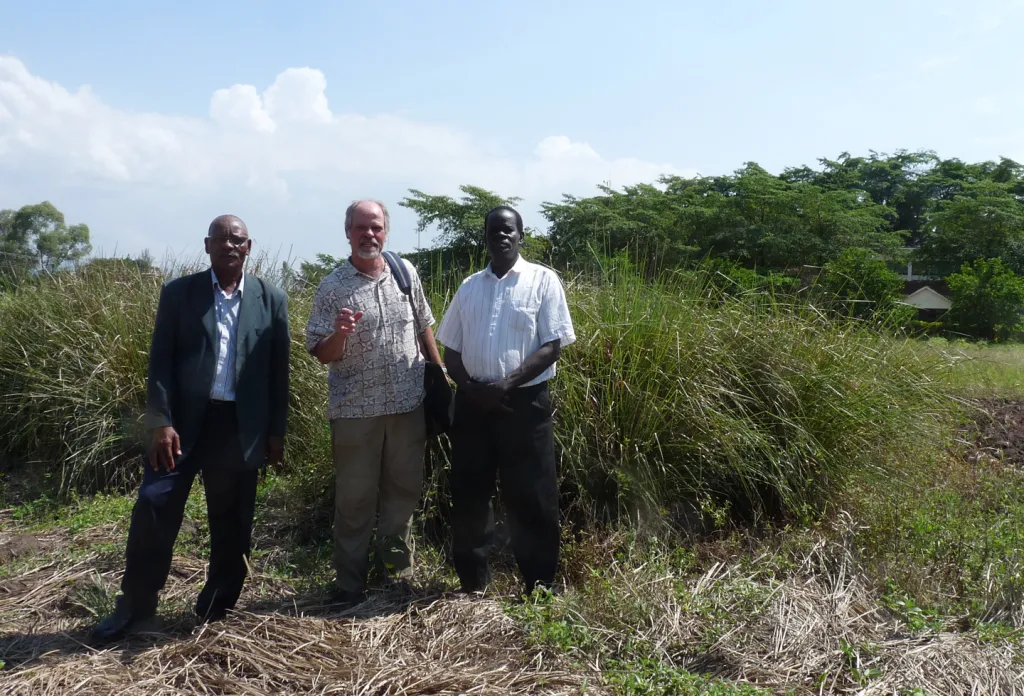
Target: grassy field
758,501
983,370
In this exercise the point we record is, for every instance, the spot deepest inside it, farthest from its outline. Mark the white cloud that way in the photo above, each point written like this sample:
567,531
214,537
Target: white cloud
281,153
241,105
298,95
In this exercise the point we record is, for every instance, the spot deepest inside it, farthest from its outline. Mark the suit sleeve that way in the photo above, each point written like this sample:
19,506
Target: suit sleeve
279,369
160,379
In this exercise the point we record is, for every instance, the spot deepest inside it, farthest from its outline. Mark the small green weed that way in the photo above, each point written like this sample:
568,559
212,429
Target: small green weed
917,618
858,671
649,677
552,624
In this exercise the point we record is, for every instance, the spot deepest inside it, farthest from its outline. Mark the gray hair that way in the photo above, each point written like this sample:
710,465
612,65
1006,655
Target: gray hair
355,204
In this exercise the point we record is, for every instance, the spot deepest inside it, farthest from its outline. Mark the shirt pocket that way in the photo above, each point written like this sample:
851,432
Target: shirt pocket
523,312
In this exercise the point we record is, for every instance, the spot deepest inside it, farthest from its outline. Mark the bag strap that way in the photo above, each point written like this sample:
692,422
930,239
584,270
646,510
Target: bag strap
399,272
401,276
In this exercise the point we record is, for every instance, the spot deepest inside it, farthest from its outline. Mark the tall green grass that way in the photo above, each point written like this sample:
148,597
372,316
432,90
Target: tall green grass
678,393
677,397
73,360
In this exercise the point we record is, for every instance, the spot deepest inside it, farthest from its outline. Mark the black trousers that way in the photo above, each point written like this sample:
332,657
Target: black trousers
520,448
156,519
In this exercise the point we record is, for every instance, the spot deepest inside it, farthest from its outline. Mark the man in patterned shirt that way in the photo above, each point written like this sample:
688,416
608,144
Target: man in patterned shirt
361,326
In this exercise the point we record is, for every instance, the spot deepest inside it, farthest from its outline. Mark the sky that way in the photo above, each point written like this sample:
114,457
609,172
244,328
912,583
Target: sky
147,120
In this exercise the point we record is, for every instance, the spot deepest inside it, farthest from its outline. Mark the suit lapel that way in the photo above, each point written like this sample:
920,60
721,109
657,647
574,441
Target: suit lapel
202,294
249,318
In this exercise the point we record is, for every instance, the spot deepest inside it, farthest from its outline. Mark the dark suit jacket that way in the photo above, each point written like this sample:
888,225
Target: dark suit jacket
183,357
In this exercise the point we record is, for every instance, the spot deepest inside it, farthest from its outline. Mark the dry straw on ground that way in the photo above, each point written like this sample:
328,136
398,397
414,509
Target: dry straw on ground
817,631
426,646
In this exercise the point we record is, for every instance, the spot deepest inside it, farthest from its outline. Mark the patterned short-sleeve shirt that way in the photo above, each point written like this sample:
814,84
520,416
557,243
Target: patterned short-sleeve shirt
381,371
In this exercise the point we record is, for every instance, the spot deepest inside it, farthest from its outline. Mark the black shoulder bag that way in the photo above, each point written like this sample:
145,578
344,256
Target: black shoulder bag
438,403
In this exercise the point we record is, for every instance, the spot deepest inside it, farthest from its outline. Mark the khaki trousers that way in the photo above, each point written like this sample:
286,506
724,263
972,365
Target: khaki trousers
378,461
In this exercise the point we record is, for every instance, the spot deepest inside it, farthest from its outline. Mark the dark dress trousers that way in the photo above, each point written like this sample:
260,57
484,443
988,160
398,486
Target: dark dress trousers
225,441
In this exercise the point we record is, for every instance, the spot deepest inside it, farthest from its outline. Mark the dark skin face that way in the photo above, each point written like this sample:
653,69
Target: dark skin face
228,244
503,240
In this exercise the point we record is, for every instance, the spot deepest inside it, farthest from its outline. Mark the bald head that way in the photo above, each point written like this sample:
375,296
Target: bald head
226,224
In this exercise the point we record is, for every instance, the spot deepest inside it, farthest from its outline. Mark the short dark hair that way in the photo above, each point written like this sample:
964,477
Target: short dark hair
505,209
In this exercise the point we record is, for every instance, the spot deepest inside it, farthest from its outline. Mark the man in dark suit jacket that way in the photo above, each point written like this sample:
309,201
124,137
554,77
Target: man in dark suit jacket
217,402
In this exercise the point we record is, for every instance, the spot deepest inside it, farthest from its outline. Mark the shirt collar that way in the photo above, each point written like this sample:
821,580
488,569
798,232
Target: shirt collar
518,267
241,282
352,270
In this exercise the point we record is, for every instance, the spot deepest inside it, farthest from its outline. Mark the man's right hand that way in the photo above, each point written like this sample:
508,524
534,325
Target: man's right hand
486,397
165,447
345,322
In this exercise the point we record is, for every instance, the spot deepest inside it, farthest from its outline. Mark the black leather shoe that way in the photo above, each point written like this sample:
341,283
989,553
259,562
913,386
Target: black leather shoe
346,599
400,587
210,615
121,622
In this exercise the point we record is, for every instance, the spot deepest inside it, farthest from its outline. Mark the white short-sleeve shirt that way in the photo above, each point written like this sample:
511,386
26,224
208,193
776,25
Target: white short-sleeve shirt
495,323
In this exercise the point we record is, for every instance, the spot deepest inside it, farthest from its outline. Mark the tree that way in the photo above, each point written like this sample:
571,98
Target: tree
16,257
860,284
40,238
312,272
642,219
460,224
752,218
984,220
987,302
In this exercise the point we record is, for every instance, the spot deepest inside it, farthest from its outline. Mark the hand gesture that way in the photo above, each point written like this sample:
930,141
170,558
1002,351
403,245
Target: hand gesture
165,447
488,397
345,322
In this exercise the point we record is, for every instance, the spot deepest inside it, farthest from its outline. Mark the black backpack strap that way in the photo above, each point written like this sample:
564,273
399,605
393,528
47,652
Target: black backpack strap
401,276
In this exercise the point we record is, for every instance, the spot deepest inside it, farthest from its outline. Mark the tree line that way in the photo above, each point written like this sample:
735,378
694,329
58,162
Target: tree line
856,220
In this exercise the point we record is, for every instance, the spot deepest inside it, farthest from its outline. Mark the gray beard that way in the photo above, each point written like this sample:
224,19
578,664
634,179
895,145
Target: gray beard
364,254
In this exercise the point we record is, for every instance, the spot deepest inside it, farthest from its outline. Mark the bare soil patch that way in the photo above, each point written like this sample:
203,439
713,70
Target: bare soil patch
21,545
999,432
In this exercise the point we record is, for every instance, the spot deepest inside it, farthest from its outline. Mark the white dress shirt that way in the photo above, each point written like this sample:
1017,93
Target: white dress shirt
496,323
227,307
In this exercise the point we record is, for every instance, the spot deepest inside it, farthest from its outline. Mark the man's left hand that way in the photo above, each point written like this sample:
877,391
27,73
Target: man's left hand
275,450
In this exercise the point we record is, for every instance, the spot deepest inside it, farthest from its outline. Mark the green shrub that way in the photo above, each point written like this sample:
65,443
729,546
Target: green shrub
988,300
860,285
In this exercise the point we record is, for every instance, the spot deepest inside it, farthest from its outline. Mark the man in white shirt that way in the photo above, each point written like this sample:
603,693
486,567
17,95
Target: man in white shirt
503,333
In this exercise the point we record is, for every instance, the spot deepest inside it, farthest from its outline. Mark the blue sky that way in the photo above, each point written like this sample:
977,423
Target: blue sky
145,120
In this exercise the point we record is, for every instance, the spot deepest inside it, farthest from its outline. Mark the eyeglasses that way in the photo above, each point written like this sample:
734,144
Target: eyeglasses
233,240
